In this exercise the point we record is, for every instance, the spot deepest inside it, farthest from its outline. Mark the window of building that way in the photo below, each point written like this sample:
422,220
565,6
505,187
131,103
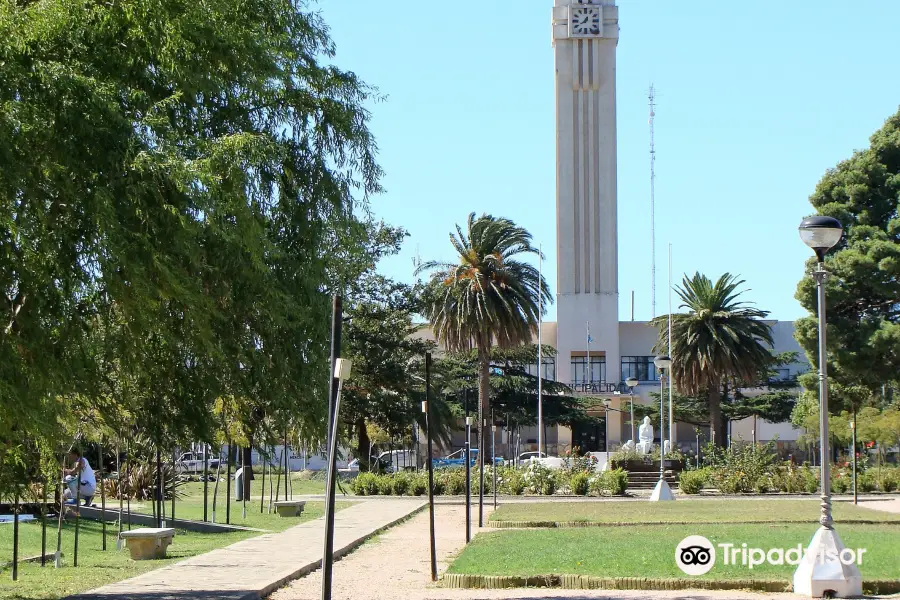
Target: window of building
639,367
549,368
580,372
782,374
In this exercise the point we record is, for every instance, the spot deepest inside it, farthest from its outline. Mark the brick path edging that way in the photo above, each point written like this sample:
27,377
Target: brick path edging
577,524
584,582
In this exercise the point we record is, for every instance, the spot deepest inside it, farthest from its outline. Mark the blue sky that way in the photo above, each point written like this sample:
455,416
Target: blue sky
755,102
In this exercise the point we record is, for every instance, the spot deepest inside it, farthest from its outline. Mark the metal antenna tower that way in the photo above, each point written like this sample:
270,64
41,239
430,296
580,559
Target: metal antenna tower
652,97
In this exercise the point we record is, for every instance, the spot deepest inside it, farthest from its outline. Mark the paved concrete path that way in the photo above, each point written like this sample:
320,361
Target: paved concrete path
397,567
253,568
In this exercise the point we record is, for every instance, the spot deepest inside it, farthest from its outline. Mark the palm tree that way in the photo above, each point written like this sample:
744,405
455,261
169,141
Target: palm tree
719,341
488,297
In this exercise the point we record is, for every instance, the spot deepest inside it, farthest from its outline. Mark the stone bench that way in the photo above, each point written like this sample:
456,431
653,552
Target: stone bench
290,508
148,542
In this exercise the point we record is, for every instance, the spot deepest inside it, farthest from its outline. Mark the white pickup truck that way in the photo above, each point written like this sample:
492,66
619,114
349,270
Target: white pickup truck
191,462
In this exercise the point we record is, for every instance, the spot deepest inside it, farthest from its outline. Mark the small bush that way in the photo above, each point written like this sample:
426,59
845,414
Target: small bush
455,481
886,479
579,483
691,482
418,484
613,482
540,480
400,483
810,481
511,481
365,484
865,482
385,484
840,484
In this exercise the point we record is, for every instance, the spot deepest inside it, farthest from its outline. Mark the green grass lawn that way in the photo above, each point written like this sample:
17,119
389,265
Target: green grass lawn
190,504
649,550
687,511
96,568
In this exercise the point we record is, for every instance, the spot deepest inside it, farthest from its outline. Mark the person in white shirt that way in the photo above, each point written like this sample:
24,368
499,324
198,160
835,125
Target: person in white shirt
81,473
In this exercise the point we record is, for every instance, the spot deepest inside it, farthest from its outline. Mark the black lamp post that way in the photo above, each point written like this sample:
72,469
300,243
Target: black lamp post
426,408
631,382
823,572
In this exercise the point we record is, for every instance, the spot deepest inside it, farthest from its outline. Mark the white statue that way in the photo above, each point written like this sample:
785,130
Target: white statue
628,446
645,435
667,447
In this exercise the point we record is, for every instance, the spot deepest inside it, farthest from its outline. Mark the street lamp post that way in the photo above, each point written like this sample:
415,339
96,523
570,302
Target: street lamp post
606,404
662,492
853,454
631,382
822,571
468,472
426,408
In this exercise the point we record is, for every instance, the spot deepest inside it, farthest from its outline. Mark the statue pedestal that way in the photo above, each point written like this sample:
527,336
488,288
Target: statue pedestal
661,492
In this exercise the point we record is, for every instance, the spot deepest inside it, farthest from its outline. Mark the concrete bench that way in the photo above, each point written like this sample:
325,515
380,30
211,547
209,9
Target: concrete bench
290,508
148,542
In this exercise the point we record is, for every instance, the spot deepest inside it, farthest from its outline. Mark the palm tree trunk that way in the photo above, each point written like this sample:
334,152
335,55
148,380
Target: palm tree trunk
484,401
716,420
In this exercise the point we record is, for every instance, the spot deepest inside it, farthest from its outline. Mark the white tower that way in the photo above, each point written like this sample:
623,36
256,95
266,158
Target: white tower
585,34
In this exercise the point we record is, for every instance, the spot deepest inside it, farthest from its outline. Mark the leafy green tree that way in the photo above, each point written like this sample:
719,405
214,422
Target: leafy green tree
488,297
864,268
385,388
173,173
719,341
513,388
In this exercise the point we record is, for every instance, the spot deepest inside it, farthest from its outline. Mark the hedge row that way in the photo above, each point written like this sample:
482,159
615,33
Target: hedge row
511,481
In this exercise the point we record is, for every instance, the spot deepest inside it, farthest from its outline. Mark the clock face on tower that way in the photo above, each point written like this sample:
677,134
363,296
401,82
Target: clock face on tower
585,21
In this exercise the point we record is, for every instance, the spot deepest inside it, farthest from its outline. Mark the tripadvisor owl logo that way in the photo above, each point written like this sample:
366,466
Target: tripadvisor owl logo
695,555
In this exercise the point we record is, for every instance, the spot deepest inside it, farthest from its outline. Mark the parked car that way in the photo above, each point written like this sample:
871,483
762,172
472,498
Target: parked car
191,462
352,468
458,459
526,456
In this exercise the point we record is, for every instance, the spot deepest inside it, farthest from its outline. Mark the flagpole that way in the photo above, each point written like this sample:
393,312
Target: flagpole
671,409
540,353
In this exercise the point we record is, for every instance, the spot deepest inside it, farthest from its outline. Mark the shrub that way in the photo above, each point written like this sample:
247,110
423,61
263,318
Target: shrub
418,484
579,483
139,482
613,482
455,481
865,482
400,483
511,481
887,479
840,484
810,481
385,484
365,484
540,479
740,468
691,482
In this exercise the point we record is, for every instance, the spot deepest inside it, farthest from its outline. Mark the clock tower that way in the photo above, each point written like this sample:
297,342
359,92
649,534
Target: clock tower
585,34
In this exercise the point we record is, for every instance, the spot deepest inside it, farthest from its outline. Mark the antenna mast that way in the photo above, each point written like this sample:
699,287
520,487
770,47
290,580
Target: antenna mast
652,97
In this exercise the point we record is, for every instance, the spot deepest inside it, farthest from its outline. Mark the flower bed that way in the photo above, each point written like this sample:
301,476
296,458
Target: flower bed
746,468
535,479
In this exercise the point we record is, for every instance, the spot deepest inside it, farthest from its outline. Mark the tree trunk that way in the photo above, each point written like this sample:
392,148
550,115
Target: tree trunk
247,464
484,407
716,420
362,434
